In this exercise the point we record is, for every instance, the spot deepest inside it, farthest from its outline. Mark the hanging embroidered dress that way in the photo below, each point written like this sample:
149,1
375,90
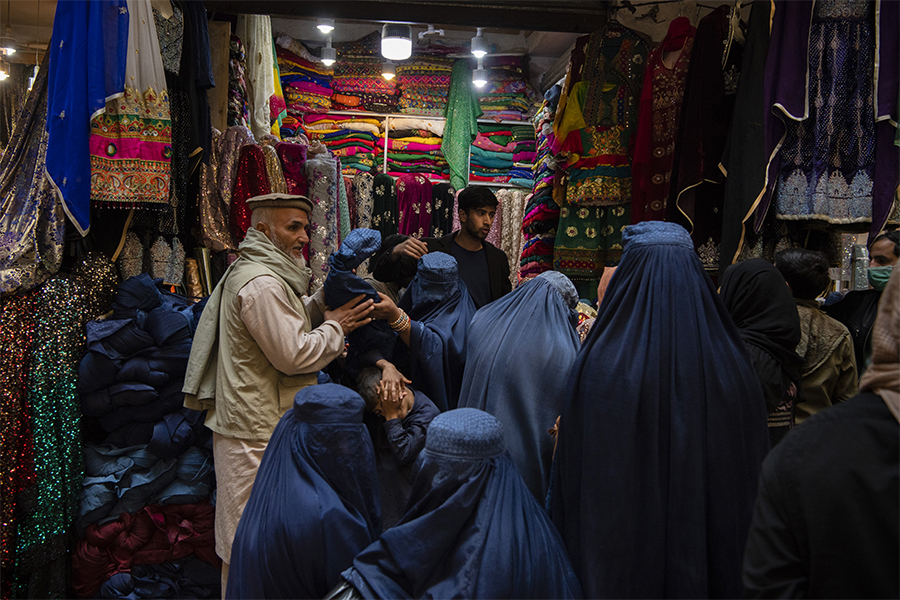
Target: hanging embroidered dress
321,172
414,204
131,142
823,44
599,123
828,159
660,113
697,192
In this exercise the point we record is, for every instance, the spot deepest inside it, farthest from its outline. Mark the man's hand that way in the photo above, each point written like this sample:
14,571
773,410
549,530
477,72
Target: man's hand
386,309
352,315
409,247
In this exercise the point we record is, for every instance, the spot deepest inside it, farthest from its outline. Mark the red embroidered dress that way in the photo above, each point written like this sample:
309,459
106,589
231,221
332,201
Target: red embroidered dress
660,114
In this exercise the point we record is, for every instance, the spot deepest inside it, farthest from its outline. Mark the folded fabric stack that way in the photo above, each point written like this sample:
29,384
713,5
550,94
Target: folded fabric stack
505,95
541,219
414,151
131,376
152,536
492,154
148,464
524,155
358,82
306,84
424,83
539,231
125,480
184,578
352,138
238,111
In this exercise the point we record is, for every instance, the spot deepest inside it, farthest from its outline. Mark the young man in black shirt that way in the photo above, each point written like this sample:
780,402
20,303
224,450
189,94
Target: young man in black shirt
483,267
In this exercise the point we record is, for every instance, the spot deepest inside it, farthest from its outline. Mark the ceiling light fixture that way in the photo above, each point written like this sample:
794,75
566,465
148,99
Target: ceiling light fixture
329,54
325,25
388,70
479,75
480,46
4,70
396,41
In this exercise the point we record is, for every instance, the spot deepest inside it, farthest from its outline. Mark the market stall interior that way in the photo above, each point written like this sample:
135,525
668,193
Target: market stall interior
138,136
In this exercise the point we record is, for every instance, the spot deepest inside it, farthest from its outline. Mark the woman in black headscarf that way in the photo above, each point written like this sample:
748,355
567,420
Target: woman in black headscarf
765,313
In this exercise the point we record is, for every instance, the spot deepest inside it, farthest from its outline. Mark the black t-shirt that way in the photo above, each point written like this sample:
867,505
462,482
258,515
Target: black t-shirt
473,270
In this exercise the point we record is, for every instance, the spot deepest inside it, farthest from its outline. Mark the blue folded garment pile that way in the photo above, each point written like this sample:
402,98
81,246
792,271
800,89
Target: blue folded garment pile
131,376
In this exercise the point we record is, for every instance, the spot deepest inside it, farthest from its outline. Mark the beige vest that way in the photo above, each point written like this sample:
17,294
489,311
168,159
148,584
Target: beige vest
251,394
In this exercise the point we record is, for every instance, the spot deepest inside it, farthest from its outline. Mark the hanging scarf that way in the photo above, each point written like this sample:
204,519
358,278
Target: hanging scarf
462,126
31,219
87,67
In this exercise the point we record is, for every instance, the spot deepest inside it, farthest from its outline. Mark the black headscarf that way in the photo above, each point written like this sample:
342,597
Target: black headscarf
759,301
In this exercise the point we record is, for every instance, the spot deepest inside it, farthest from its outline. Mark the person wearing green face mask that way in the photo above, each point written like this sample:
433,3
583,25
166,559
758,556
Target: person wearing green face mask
857,310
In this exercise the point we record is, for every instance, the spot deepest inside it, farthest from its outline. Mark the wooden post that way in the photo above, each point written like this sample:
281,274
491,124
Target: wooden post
219,38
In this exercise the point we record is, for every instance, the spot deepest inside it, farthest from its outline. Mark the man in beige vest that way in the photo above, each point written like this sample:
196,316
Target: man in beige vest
259,341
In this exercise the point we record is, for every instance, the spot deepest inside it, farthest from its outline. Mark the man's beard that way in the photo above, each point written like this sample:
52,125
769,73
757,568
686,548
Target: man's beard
286,248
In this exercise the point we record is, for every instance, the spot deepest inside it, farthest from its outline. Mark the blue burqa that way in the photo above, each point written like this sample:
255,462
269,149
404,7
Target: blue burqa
342,285
662,435
521,348
87,68
472,529
314,503
440,310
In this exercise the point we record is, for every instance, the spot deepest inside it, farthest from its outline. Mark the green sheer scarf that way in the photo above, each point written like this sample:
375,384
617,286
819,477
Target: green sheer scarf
462,126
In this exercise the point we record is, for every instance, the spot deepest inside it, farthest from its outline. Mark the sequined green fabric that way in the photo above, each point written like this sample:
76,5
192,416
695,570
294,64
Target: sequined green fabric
60,306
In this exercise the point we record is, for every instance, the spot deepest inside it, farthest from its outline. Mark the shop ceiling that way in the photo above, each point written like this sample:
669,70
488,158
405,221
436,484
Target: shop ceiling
30,22
575,16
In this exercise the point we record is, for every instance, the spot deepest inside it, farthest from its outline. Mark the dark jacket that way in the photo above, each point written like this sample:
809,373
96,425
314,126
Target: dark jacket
856,311
826,519
402,271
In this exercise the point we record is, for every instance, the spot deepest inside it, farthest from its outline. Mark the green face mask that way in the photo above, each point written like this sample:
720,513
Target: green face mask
878,276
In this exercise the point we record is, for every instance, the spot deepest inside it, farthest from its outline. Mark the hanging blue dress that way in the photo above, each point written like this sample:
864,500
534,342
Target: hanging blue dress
87,67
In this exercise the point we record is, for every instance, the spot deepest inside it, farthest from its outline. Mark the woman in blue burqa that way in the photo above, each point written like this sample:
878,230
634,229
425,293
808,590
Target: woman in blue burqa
314,503
433,349
472,528
520,349
662,434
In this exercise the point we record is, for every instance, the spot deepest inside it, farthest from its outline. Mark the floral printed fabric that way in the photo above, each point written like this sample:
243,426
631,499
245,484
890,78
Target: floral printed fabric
321,172
414,205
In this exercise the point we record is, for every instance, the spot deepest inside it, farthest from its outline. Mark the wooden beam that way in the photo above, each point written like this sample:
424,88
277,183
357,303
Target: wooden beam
574,16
